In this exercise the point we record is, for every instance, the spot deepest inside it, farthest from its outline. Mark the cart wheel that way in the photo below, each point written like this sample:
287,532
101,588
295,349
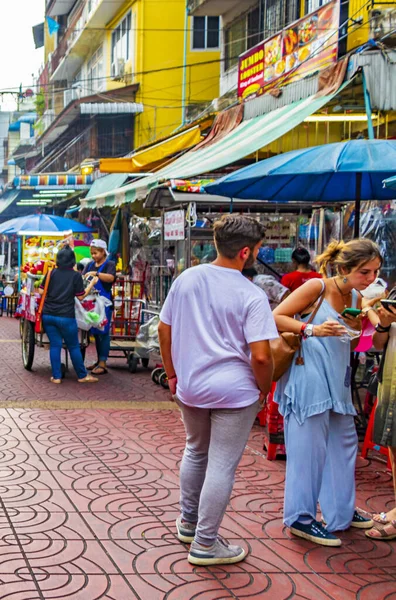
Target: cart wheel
133,364
155,374
63,370
28,344
145,362
21,325
164,381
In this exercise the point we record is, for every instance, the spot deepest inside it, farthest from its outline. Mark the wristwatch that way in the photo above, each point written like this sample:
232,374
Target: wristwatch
308,331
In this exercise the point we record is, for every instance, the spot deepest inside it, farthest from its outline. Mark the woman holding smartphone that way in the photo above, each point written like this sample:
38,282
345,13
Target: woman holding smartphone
315,397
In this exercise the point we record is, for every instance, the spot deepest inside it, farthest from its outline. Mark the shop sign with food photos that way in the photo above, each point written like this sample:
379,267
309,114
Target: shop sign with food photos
306,46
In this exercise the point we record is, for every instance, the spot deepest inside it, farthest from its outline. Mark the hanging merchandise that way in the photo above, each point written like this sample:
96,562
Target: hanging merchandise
191,216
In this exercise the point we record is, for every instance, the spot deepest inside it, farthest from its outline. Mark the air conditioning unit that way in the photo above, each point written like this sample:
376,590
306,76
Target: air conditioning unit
70,95
118,69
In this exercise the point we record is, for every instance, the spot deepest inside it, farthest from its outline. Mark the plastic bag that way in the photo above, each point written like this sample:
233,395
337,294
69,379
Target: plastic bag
95,316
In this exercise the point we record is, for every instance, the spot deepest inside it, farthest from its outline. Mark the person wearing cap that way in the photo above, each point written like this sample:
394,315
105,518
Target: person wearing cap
105,270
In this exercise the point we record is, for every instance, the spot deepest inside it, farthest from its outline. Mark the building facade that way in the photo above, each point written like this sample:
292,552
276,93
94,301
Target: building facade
119,75
247,22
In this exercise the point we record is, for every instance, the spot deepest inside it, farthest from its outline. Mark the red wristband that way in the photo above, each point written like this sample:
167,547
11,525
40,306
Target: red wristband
174,377
303,328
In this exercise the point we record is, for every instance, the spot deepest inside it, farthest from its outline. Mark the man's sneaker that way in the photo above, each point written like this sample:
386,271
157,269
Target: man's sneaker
220,553
185,531
315,532
361,522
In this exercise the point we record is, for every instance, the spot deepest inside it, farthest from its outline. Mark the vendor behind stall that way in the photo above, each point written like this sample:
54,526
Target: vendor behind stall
105,270
303,271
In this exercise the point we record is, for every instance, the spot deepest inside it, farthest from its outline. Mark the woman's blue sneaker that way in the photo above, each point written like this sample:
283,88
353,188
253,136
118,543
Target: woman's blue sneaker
315,532
361,522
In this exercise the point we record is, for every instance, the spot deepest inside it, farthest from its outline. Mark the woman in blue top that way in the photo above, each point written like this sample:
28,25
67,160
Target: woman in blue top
315,398
105,270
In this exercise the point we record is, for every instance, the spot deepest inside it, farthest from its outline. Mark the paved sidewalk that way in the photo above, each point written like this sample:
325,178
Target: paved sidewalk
89,497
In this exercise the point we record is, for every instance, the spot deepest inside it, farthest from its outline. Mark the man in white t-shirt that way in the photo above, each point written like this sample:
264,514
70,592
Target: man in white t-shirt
214,333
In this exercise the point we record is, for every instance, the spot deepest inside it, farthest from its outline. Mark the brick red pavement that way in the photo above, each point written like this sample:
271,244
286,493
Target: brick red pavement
89,496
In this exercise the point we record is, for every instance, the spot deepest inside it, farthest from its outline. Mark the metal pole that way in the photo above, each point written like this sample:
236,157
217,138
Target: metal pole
184,81
367,104
19,261
9,259
356,231
162,258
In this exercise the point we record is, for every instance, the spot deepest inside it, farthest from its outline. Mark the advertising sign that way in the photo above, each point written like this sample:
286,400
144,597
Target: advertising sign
306,46
174,225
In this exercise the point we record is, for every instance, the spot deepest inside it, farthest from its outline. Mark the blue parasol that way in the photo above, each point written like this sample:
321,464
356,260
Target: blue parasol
42,224
333,173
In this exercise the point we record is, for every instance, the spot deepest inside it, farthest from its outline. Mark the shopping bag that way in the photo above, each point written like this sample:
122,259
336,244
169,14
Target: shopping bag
81,316
101,303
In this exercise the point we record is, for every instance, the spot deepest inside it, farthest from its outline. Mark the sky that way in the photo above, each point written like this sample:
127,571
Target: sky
19,58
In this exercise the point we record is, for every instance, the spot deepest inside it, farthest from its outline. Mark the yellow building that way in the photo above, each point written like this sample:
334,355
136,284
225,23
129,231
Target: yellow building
150,53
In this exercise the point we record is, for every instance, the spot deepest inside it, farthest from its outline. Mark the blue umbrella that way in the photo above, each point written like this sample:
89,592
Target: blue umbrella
342,172
44,224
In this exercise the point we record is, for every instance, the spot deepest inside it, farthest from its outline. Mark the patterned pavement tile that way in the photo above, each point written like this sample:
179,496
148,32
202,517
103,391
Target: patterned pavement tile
89,495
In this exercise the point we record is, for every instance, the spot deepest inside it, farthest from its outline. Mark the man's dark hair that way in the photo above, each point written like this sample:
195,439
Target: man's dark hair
249,272
66,258
234,232
301,256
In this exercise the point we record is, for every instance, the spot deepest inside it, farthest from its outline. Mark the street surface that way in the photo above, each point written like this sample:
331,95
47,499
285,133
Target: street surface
89,497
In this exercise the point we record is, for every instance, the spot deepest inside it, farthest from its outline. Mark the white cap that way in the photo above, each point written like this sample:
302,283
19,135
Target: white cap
99,244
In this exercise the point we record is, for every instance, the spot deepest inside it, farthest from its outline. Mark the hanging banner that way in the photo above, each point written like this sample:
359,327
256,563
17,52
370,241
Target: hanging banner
174,225
304,47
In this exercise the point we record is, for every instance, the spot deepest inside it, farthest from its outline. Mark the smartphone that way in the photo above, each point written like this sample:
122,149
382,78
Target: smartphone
351,312
386,303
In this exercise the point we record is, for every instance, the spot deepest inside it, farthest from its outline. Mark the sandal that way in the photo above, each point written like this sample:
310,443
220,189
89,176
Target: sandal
56,381
99,370
383,533
88,379
92,367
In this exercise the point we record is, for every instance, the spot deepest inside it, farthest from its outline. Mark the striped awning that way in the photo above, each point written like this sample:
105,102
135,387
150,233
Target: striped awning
247,138
53,181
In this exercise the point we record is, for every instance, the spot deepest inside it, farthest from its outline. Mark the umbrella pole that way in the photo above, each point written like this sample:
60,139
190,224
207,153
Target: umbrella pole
19,261
356,233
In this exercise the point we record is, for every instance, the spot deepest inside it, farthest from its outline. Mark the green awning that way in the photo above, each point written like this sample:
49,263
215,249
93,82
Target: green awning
107,184
247,138
8,198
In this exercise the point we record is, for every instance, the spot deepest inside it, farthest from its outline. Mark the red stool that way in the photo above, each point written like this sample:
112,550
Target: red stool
368,443
274,440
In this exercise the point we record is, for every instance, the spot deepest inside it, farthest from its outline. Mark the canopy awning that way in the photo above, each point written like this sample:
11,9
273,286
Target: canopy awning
146,159
107,183
249,137
7,199
53,181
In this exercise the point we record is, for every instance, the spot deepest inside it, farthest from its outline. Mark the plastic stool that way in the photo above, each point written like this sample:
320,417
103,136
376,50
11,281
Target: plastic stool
368,443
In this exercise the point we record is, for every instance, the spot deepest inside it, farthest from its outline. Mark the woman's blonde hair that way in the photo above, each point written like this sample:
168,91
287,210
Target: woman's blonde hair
343,257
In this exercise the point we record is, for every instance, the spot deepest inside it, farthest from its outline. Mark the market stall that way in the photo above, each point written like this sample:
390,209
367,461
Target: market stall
185,236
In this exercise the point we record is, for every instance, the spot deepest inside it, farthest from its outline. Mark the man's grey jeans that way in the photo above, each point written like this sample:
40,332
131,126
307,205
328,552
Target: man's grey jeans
216,439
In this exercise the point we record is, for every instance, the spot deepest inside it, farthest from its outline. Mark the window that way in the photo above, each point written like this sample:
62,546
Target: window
206,33
311,5
95,71
121,40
